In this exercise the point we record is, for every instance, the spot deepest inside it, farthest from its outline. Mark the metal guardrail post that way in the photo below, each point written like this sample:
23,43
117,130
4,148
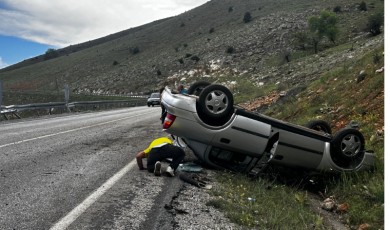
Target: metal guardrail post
1,94
66,92
1,99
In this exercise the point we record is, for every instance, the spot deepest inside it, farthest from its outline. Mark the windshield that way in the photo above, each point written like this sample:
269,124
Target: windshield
155,95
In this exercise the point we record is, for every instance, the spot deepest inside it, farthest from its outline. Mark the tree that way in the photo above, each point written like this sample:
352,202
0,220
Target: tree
321,26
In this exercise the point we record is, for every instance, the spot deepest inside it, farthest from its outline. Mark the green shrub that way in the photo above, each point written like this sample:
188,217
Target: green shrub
230,50
374,23
337,9
362,6
195,58
50,53
135,50
247,17
376,58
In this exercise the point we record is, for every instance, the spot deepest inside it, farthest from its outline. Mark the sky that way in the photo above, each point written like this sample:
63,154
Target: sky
29,28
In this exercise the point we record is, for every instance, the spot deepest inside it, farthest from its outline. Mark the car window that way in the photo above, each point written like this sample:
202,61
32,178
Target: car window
155,95
231,160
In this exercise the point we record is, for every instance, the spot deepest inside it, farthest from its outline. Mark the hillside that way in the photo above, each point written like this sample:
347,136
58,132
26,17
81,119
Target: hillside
194,45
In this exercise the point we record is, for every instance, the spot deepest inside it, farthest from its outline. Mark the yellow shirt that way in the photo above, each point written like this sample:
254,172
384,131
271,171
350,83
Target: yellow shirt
157,143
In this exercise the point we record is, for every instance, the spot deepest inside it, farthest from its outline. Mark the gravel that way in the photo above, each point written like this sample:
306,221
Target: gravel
190,209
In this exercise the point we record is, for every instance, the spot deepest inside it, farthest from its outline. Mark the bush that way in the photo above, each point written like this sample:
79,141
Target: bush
195,58
211,30
230,9
158,72
135,50
230,50
337,9
181,61
50,53
247,17
374,23
362,6
376,58
115,63
300,39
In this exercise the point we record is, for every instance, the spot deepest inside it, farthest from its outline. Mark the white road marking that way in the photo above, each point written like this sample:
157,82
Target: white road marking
68,131
81,208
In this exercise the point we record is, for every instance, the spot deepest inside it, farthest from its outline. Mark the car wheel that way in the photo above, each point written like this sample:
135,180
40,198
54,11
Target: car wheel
347,147
319,125
197,87
216,101
215,105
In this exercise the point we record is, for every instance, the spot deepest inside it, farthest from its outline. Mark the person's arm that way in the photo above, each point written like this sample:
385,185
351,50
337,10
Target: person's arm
139,157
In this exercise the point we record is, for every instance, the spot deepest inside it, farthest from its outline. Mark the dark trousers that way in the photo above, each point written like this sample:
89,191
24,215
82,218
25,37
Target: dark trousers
166,151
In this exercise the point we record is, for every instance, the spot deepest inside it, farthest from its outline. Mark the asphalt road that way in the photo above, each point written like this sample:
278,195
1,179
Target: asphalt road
78,172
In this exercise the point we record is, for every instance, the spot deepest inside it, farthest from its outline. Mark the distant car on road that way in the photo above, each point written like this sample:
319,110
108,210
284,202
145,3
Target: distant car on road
229,137
153,99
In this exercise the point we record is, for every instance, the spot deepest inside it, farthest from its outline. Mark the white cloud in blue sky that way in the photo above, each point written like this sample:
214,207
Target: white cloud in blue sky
64,22
2,64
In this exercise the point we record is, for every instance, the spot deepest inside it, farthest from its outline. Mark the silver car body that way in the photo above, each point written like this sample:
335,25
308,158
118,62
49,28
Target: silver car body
249,138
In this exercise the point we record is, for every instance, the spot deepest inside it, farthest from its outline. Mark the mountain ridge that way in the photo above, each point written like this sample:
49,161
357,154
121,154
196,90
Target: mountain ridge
142,59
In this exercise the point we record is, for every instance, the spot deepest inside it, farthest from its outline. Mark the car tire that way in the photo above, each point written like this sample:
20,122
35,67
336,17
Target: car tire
319,125
197,87
347,148
215,104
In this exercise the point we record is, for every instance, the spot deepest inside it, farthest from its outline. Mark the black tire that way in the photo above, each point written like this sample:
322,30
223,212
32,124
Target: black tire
197,87
216,102
215,105
319,125
347,148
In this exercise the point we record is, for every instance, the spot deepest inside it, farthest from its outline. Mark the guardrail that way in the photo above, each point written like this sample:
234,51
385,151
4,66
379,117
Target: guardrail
50,106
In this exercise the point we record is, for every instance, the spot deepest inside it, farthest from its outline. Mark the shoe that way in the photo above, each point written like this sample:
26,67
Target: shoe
170,171
157,168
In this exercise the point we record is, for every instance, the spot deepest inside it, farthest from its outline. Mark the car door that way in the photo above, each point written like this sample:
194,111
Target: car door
243,135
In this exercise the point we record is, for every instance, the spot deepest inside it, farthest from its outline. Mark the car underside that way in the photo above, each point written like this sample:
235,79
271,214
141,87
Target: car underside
229,137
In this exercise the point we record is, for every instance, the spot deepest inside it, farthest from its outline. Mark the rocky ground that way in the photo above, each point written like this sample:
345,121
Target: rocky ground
191,211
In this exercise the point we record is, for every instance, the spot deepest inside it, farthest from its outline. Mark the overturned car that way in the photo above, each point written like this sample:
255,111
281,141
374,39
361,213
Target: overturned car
229,137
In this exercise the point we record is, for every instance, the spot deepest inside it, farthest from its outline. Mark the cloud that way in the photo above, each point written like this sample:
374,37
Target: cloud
62,23
2,64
